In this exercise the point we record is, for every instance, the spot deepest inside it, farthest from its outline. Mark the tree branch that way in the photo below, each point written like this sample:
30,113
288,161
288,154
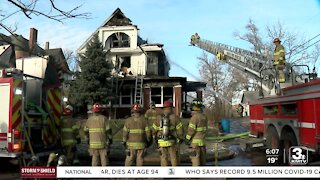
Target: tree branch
21,7
61,15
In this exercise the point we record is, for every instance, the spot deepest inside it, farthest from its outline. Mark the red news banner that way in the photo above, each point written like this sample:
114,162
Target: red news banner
38,172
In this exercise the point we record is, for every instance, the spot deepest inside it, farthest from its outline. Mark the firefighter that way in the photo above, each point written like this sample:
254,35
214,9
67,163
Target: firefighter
192,39
136,136
195,137
151,114
69,135
100,136
279,60
240,110
167,132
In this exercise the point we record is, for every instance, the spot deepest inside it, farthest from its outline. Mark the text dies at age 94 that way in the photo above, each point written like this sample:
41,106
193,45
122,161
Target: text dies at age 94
129,171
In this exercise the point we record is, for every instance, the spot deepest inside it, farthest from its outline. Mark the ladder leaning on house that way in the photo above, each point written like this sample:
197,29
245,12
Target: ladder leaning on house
138,89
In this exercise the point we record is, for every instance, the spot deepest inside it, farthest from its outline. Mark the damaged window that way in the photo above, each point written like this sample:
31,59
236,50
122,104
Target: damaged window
161,94
124,65
167,93
119,40
152,64
125,62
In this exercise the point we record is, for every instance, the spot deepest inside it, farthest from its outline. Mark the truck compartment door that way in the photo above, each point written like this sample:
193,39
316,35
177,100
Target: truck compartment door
4,114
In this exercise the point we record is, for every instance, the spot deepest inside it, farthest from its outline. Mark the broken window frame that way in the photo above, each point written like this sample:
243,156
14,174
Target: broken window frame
126,61
167,96
119,40
152,64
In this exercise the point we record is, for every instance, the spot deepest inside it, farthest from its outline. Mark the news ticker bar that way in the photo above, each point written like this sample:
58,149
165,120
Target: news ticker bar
190,172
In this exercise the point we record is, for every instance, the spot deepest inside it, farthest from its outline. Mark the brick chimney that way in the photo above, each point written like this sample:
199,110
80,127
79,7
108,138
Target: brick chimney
33,40
46,47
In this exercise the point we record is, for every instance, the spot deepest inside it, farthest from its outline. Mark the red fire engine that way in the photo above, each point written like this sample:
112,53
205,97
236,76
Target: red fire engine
286,114
30,113
290,119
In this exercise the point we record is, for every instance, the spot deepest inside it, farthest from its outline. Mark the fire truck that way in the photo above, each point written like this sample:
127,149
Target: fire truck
286,114
30,112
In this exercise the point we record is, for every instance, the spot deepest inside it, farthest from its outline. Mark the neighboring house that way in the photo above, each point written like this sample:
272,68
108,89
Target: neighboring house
49,65
140,69
247,98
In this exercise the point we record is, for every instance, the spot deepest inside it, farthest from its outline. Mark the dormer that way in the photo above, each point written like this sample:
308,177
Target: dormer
129,53
118,32
120,37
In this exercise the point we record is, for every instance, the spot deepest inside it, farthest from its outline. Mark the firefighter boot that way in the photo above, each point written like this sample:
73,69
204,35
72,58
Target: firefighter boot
51,159
194,154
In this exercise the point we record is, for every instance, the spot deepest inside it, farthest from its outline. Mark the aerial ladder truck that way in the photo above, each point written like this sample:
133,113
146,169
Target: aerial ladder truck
286,114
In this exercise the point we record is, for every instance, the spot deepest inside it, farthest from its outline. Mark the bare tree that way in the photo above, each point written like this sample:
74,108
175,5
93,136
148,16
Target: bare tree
223,83
32,8
263,45
72,59
296,47
315,56
252,36
292,41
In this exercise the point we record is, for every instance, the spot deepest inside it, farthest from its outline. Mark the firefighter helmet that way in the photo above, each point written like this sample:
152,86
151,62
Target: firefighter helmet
167,104
196,105
276,40
68,110
136,107
96,108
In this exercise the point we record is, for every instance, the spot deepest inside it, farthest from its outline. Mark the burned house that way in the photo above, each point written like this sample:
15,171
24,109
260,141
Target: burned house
140,69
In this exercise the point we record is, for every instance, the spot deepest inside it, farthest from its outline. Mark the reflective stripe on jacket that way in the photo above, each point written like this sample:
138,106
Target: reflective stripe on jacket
166,143
99,131
175,131
279,55
136,132
68,131
197,129
151,115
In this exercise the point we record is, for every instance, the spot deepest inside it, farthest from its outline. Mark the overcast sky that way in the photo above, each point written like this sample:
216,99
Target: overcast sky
172,22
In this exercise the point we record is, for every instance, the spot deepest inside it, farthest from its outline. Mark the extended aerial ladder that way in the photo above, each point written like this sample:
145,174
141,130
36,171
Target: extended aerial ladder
255,65
258,66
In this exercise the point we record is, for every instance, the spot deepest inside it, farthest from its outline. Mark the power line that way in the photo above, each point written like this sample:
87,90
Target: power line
306,48
198,79
185,70
301,45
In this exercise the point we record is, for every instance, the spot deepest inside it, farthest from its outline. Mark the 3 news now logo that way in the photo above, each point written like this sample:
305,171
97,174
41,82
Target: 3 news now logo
171,171
298,155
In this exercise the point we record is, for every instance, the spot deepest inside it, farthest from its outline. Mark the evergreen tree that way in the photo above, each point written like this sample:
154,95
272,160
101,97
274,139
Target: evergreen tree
91,84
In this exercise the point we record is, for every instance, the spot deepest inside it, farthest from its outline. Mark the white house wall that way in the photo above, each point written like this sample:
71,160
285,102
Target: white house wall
131,31
138,63
105,32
